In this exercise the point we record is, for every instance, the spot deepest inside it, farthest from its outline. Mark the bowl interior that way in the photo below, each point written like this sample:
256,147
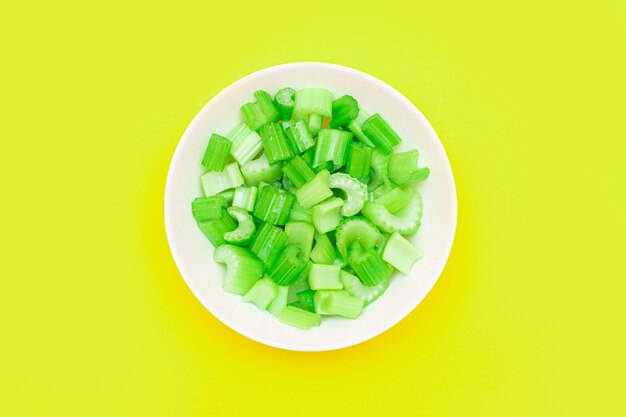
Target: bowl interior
193,252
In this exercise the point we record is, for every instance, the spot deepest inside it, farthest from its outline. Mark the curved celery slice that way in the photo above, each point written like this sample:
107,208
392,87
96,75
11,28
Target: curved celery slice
287,267
284,101
324,251
262,293
403,168
337,303
216,182
260,170
245,228
344,110
353,286
246,143
327,215
298,317
356,229
314,191
400,253
367,264
243,269
405,221
355,191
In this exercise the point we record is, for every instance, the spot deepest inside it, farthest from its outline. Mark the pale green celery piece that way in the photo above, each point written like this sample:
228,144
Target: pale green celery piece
228,195
243,269
380,171
400,253
327,215
262,293
383,189
315,123
356,125
313,101
325,277
301,234
279,302
403,168
314,191
405,221
395,199
356,229
246,143
242,235
260,170
318,302
299,213
245,197
337,303
354,190
297,287
298,317
354,287
215,182
324,251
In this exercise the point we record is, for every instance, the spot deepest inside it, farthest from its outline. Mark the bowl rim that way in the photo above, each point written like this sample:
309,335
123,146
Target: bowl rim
169,223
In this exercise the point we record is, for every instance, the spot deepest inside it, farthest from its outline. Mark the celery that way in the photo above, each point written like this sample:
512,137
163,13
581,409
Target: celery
332,145
405,221
243,269
245,227
337,303
246,143
215,229
279,302
380,134
344,109
260,170
323,252
275,143
355,127
313,101
314,191
299,213
245,197
395,199
301,234
327,215
216,154
305,300
403,168
354,190
367,264
356,229
380,168
298,172
359,162
215,182
324,277
288,185
400,253
262,293
284,101
261,112
288,266
273,205
228,195
299,137
298,317
268,243
208,208
353,286
315,123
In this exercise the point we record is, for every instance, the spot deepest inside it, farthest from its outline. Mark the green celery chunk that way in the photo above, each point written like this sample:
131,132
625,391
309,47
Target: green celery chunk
325,277
313,101
323,252
353,286
315,123
359,162
246,143
216,182
261,170
344,110
298,172
288,185
367,264
217,152
405,221
243,269
400,253
327,215
309,155
332,145
268,243
305,300
337,303
299,213
228,195
275,143
403,168
299,137
314,191
298,317
355,126
261,112
279,302
208,208
245,197
380,169
273,205
242,235
356,229
215,229
395,199
262,293
288,266
380,134
301,234
285,101
354,191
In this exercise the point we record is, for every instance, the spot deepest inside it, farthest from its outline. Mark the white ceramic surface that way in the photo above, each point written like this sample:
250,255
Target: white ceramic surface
192,252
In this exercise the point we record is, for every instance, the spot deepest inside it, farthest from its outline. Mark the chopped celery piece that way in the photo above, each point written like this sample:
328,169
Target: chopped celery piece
405,221
383,189
288,267
315,123
245,227
355,127
299,213
309,155
380,134
359,162
327,215
279,302
324,277
268,243
314,191
208,208
299,137
261,112
380,168
356,229
332,145
305,300
313,101
403,168
275,143
245,197
215,182
354,190
288,185
246,143
261,170
297,287
263,184
324,251
284,101
243,269
381,245
301,234
262,293
345,109
298,172
337,303
367,264
400,253
353,286
217,152
395,199
228,195
298,317
215,229
273,205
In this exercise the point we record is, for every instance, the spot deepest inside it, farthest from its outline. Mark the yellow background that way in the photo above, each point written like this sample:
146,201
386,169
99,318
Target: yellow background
528,318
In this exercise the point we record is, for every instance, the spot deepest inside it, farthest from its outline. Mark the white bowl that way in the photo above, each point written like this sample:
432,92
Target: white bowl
193,253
